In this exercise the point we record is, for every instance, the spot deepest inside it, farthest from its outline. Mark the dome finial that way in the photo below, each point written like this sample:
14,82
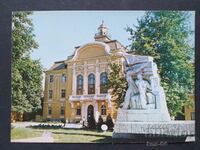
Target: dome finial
102,32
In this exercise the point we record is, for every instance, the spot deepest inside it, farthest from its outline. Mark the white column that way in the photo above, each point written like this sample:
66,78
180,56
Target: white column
96,113
74,79
83,111
85,79
97,78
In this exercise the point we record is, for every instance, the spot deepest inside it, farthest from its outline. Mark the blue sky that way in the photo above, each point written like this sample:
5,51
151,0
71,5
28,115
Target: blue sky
58,32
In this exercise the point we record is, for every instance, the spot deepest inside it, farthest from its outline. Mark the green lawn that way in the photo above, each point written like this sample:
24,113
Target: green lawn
23,133
64,135
81,136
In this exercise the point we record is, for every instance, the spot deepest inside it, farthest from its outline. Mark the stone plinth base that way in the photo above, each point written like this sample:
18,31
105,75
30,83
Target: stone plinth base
154,115
169,128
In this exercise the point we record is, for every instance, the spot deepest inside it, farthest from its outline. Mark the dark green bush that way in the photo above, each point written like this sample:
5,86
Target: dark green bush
109,122
100,122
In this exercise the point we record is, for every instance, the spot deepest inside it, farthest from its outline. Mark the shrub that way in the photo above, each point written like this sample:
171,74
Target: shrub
91,122
100,122
109,122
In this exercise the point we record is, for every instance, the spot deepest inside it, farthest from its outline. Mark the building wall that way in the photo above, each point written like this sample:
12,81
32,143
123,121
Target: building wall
190,110
56,100
90,59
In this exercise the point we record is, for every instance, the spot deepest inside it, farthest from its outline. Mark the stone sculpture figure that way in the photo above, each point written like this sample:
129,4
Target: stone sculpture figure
131,91
145,109
141,99
136,95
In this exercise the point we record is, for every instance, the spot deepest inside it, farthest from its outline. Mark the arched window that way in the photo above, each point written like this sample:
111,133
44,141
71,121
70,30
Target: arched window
103,110
79,85
103,82
91,84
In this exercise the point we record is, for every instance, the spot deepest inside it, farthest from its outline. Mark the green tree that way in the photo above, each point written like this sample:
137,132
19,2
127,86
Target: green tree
164,35
117,84
26,73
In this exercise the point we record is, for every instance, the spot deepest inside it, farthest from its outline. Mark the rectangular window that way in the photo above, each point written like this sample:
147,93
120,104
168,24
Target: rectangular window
63,91
64,78
49,110
51,78
50,94
192,116
62,110
78,111
103,110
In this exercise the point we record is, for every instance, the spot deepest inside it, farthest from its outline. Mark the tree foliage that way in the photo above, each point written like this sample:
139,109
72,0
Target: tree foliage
117,84
26,73
164,35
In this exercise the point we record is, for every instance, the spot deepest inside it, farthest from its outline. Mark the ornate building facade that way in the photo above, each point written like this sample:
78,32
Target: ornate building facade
75,89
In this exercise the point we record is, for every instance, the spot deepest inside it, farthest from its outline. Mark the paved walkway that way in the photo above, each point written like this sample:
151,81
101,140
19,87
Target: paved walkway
45,138
24,124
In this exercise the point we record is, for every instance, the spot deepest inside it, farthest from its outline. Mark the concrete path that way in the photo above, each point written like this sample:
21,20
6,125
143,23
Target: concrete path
45,138
24,124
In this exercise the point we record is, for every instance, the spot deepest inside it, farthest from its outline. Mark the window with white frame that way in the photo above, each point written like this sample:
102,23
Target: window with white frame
50,94
63,78
62,110
51,78
103,110
78,110
49,110
91,84
63,93
79,86
192,116
103,82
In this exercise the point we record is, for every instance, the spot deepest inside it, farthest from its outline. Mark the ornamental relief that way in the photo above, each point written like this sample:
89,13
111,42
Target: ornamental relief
80,63
103,66
92,67
79,68
91,71
79,72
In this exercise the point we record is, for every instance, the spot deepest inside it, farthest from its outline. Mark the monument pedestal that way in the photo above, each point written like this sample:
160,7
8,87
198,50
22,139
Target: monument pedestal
170,128
130,123
153,115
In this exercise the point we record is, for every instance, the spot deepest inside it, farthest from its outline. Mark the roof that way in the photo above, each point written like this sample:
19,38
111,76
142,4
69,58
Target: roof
114,45
58,65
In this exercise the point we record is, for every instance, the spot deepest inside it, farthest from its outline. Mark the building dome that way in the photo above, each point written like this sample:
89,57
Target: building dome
102,34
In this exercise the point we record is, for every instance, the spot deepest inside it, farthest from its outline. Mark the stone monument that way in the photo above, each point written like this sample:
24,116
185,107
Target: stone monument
144,110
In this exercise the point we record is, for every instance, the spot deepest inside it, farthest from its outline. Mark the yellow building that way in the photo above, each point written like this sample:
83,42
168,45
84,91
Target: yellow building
75,88
189,111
